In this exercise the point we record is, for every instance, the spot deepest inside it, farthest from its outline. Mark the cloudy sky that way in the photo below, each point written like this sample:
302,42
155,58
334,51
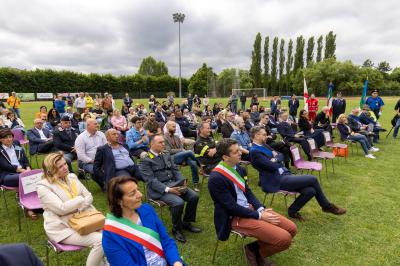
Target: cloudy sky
114,36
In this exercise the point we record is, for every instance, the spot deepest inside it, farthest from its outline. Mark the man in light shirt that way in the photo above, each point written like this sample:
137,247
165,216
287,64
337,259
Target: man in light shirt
80,103
86,145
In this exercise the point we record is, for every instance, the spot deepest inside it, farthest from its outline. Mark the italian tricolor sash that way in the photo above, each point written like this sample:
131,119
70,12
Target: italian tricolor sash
140,234
230,173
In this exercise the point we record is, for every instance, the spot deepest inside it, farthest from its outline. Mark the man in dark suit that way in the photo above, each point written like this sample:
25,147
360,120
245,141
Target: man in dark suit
289,135
293,107
237,208
112,159
13,160
18,254
275,105
40,138
161,115
166,183
227,126
274,177
338,107
64,140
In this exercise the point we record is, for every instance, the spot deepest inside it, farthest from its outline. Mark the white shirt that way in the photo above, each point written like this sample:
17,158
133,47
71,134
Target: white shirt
86,145
178,131
152,258
12,155
42,136
80,102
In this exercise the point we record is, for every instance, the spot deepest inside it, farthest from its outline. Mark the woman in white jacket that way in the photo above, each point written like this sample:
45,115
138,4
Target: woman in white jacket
61,195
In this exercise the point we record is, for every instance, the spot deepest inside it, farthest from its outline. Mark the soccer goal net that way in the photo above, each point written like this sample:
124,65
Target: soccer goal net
260,92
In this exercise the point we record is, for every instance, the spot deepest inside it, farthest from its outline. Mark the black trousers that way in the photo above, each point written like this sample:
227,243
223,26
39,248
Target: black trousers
45,147
177,207
304,145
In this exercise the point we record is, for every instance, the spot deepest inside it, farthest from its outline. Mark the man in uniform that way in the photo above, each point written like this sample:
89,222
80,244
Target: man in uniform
205,148
375,103
338,106
166,183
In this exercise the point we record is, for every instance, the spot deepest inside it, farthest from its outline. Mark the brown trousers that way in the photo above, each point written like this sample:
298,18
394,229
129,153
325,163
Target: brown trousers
271,238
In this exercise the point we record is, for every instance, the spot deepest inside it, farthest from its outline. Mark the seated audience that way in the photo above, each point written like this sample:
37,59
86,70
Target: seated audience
42,110
86,145
367,117
61,194
64,137
187,142
227,126
305,125
137,139
242,137
121,244
205,148
119,121
181,156
112,159
86,112
188,131
151,126
191,117
13,160
237,208
322,120
166,183
274,177
53,117
15,121
161,115
347,134
75,120
59,105
254,114
40,139
106,121
82,124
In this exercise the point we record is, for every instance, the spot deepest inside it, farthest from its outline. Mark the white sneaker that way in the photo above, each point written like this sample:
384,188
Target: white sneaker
370,156
373,149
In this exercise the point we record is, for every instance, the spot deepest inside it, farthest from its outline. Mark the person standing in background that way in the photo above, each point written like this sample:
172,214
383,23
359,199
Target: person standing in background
128,101
89,101
312,107
14,102
338,106
375,103
243,101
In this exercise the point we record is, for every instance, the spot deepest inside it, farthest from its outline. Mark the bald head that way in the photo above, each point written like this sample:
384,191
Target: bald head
92,126
171,127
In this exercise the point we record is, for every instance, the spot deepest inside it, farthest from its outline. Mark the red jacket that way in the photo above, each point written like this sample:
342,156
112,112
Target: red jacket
312,105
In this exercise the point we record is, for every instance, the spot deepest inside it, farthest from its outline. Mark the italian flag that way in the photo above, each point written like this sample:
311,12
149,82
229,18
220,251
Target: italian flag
330,95
305,94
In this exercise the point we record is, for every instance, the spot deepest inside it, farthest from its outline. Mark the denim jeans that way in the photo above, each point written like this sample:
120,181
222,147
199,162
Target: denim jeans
396,128
363,141
189,158
16,111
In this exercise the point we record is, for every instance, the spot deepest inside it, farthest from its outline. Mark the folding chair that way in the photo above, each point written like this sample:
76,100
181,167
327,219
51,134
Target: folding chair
329,143
238,234
159,204
301,165
59,248
282,192
3,190
20,137
27,196
323,155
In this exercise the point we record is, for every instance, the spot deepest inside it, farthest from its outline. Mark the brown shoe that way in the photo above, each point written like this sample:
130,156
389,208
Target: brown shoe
332,208
297,216
251,256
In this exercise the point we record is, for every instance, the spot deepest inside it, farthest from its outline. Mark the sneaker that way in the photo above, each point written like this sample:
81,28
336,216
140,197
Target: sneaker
370,156
375,148
196,187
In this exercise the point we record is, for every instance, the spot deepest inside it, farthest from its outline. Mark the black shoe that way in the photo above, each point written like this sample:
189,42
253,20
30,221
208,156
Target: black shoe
191,228
178,236
297,216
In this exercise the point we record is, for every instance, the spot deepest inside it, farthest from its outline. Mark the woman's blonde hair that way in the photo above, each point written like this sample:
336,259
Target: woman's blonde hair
340,118
49,165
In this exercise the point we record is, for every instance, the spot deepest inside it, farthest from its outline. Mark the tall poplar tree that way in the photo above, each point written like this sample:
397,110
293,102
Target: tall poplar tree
310,51
330,45
319,48
299,55
274,63
266,62
255,68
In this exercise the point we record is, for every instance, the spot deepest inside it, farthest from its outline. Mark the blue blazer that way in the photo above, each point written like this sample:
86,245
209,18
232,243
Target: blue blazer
5,163
104,164
268,172
34,139
18,254
121,251
223,193
293,107
344,131
159,117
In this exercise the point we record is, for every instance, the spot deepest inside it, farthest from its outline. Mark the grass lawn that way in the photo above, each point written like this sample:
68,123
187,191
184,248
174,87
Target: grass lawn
367,235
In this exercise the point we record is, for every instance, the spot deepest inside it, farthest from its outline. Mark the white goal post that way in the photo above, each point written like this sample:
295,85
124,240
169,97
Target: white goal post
249,92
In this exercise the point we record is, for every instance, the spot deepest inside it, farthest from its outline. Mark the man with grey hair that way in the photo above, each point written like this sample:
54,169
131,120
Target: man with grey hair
86,145
242,137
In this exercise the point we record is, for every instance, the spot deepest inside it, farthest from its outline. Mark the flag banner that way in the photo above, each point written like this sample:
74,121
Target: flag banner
330,99
305,94
364,94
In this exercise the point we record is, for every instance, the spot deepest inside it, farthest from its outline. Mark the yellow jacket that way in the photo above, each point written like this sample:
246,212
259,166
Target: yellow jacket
89,102
14,100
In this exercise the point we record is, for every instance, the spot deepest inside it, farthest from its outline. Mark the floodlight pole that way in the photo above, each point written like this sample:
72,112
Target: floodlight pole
179,17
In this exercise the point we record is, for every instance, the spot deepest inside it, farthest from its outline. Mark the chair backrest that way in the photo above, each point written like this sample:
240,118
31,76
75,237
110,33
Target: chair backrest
27,183
296,155
18,134
327,137
311,142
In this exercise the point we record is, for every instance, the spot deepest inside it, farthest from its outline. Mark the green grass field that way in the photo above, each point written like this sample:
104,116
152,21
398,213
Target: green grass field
367,235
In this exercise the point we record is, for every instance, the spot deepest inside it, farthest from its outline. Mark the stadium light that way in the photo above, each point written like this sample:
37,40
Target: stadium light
179,17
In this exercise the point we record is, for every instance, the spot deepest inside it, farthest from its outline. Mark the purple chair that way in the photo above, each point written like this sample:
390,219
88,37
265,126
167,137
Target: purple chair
323,155
301,165
3,190
329,142
59,248
27,201
20,136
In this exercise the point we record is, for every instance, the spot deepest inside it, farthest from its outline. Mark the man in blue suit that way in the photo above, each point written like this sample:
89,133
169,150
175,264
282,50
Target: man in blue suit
274,177
237,208
40,138
293,107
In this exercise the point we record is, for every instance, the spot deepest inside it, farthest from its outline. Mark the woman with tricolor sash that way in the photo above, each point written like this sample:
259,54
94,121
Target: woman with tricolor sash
133,234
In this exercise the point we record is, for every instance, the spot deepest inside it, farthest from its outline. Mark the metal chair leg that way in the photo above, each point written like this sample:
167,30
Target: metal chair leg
286,201
272,199
47,255
18,217
265,197
215,252
58,259
333,167
243,253
5,199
